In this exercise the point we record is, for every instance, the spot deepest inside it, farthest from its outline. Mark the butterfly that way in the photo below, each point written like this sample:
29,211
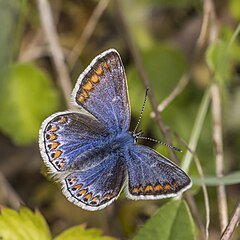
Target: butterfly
91,151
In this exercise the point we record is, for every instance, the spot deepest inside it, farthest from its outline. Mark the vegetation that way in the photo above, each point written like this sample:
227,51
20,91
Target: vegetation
187,52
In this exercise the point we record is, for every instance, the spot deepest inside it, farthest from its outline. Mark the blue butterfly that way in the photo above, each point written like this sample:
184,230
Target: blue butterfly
93,154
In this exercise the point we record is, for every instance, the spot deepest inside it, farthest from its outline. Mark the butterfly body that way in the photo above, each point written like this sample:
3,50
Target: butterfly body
93,154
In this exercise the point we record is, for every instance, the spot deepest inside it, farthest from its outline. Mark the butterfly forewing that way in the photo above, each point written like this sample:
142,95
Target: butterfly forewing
102,90
66,138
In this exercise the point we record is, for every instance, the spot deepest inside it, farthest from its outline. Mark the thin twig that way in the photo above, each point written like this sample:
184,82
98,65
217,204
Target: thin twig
233,224
197,51
205,24
143,74
8,194
218,146
205,195
55,48
87,33
176,91
217,122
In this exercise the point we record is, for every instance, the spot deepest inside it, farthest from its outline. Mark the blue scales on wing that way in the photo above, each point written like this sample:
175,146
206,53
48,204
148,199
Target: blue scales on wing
96,187
102,90
68,138
153,176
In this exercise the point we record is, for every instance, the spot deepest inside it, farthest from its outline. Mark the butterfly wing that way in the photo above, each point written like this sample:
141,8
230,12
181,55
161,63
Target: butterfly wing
152,176
96,187
67,139
102,90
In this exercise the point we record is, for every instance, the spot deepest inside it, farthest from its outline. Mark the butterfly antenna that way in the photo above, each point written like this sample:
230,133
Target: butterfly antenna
143,106
160,142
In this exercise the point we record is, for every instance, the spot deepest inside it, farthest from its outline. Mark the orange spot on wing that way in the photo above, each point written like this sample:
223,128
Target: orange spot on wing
84,94
135,190
148,188
95,199
99,71
53,129
62,120
140,189
81,98
107,196
52,137
174,183
57,154
72,180
84,191
62,163
77,187
106,66
88,196
167,186
94,78
158,187
88,86
54,145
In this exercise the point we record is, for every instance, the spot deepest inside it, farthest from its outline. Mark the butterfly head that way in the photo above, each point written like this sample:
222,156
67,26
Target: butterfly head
137,135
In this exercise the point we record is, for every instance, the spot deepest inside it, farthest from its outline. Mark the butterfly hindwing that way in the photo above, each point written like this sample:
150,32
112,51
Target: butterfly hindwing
152,176
102,90
96,187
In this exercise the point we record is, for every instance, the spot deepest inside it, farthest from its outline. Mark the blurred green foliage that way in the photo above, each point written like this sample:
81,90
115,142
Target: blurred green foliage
163,31
26,98
23,225
28,225
170,222
11,12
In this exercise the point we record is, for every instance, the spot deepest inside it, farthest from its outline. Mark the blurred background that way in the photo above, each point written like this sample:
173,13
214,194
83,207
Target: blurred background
190,53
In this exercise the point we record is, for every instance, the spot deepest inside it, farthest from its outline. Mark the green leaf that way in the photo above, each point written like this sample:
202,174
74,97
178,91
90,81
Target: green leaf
234,6
172,221
26,98
23,225
218,60
165,65
79,232
12,13
230,179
